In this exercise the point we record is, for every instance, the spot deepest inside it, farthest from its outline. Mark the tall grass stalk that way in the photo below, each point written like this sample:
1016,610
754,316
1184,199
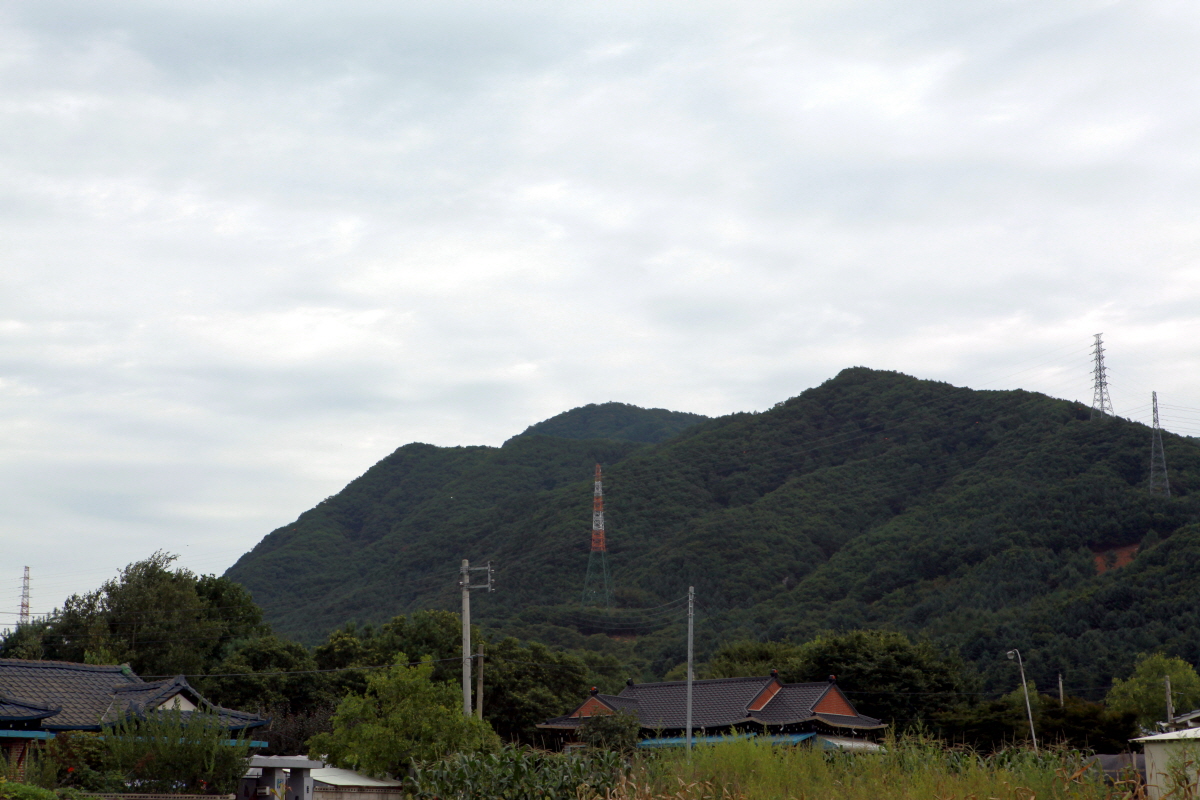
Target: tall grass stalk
913,768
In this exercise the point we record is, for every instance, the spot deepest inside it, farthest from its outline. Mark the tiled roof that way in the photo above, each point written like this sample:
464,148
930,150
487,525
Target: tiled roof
843,721
723,702
716,702
84,692
794,702
90,696
13,709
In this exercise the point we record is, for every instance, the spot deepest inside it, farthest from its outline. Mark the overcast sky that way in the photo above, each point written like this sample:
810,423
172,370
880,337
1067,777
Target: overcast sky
249,248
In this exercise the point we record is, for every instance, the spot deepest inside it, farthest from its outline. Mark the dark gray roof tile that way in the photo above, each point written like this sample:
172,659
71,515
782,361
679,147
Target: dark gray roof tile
91,696
84,692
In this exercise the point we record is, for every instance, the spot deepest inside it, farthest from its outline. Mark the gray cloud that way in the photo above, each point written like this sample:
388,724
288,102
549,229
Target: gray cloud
249,248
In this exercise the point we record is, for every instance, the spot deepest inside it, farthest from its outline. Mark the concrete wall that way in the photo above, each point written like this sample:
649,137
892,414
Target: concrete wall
357,793
1170,762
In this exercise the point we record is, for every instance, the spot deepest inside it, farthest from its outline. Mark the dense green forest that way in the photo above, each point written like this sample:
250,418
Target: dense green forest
876,500
615,421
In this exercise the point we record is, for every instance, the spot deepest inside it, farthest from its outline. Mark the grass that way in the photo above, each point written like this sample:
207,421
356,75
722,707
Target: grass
913,768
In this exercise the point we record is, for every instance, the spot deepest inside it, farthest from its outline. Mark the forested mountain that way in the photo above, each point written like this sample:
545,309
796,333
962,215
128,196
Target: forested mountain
615,421
873,500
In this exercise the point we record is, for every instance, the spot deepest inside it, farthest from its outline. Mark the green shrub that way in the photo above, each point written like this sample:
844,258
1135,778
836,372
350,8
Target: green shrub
517,774
619,731
176,753
403,717
11,790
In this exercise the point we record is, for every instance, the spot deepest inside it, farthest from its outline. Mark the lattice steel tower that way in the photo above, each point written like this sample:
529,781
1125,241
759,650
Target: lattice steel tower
597,589
1158,459
1101,402
23,617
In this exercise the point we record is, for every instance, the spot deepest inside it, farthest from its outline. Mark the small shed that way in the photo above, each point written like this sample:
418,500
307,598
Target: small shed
1172,761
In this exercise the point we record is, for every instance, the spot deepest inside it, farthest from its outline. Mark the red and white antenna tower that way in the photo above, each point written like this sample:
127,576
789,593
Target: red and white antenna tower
596,585
598,543
23,618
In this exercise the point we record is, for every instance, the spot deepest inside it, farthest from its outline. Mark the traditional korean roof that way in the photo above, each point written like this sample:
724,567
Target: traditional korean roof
87,696
13,709
724,702
83,692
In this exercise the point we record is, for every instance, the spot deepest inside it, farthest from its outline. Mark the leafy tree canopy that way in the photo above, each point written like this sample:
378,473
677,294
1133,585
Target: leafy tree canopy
884,673
1144,692
616,421
267,674
158,620
402,717
524,684
619,731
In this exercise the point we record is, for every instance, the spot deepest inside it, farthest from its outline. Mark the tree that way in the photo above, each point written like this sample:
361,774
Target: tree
885,674
527,684
403,716
1144,692
434,634
994,724
619,731
746,658
172,751
267,673
158,620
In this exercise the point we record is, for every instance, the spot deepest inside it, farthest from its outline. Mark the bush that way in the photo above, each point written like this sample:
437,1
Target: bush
10,790
517,774
171,752
404,716
619,731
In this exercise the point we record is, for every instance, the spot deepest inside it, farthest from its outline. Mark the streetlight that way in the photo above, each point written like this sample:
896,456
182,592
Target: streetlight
1028,709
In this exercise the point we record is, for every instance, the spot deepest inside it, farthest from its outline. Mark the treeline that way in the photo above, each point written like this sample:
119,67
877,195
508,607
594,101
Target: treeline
164,621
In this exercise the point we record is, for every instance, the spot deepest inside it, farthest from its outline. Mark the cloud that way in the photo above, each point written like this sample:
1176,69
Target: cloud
250,248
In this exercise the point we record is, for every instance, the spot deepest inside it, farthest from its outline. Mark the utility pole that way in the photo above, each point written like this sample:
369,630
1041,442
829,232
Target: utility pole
23,617
1170,703
691,629
1158,459
464,582
598,556
1101,402
1060,691
479,685
1025,686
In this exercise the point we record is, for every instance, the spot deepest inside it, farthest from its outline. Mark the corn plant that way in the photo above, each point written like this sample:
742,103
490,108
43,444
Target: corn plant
517,774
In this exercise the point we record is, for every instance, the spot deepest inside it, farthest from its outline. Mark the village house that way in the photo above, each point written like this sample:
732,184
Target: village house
41,698
783,712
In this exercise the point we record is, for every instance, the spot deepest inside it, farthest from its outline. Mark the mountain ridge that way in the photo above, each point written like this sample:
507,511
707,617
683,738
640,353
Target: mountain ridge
874,499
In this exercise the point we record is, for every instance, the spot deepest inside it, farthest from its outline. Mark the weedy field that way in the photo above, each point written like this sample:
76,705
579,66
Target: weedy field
909,768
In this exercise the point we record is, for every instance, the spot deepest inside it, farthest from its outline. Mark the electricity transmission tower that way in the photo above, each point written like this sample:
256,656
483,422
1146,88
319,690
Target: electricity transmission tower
597,588
1158,459
23,617
1101,402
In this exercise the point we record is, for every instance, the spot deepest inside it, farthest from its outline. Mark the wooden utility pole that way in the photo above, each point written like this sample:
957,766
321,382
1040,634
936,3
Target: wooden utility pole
479,684
1170,704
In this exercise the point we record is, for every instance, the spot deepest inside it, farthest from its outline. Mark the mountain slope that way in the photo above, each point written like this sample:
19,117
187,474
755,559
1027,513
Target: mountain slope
874,499
615,421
